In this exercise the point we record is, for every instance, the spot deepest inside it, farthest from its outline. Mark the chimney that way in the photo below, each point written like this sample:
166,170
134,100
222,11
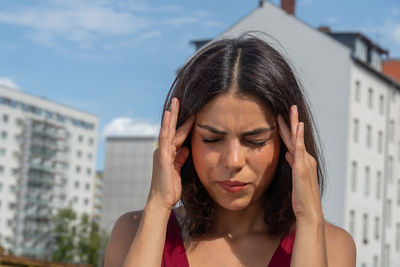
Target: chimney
288,6
260,3
324,28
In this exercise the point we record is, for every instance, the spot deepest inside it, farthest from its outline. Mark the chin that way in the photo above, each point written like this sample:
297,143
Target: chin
235,205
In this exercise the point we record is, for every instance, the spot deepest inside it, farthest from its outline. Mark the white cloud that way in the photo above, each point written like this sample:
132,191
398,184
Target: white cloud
130,127
79,21
7,82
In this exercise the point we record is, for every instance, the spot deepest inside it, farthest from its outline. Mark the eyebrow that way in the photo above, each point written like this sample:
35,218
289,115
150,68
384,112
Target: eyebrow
219,132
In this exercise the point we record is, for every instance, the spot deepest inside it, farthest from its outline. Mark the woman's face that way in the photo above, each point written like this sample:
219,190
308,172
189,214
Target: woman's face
235,149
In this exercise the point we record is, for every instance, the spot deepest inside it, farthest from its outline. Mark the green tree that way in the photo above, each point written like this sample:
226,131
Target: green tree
64,235
78,240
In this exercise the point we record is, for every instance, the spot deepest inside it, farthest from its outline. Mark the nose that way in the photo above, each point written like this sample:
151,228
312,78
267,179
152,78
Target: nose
233,157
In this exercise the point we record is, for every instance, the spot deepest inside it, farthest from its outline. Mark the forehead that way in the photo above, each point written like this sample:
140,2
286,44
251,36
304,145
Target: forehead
236,110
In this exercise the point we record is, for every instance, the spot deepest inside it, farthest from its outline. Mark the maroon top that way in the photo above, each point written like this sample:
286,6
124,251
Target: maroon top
174,254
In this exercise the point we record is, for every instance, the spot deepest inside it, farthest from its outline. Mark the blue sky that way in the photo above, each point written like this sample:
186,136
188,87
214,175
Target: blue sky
118,58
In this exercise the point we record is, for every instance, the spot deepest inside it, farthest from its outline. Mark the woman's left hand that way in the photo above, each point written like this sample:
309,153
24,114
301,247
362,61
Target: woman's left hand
306,200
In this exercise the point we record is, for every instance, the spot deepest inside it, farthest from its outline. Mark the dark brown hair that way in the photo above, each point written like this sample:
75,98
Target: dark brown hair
254,68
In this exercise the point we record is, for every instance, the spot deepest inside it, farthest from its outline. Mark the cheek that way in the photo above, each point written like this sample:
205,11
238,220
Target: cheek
266,161
202,158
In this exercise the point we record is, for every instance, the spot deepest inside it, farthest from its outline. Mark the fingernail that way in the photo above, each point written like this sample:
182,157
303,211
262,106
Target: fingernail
295,108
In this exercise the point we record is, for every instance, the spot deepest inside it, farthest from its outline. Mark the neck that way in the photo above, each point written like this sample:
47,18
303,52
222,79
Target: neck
237,224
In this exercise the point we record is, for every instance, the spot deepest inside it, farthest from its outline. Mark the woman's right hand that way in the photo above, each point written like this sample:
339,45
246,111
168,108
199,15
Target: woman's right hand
168,159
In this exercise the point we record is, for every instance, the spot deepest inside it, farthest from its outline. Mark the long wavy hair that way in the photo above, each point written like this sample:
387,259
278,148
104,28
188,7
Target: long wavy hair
251,65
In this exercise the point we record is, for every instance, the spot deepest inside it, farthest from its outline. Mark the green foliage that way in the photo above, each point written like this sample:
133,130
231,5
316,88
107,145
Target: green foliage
77,240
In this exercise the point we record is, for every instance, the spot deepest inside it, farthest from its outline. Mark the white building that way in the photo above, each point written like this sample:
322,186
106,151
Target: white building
357,110
47,161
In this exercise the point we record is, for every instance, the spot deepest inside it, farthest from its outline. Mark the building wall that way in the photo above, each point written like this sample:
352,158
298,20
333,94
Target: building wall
369,186
323,67
127,176
65,131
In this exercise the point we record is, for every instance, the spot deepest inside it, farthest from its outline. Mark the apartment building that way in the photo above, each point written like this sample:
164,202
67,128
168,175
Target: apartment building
357,111
47,161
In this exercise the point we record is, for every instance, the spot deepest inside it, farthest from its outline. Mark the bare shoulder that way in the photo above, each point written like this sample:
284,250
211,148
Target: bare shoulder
340,245
122,235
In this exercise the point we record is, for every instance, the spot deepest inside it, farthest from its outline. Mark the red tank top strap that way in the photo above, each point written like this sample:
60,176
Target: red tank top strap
283,254
174,253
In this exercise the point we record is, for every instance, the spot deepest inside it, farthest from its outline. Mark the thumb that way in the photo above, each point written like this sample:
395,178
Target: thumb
180,158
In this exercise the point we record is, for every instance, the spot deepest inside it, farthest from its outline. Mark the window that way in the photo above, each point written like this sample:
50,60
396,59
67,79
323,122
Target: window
18,122
80,138
381,104
2,152
62,197
355,130
370,98
5,118
378,184
389,212
391,131
369,136
357,91
11,206
366,188
354,176
91,141
365,229
88,171
380,141
78,169
376,261
377,228
3,135
387,255
86,201
79,154
390,169
352,223
76,184
87,186
1,186
75,199
1,169
90,155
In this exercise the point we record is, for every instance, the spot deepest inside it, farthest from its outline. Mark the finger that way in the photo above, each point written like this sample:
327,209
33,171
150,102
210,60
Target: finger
294,121
183,131
290,159
174,118
284,131
180,158
164,132
300,147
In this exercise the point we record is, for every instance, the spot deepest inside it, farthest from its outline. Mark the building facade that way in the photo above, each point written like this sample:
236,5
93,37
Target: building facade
47,162
357,111
127,176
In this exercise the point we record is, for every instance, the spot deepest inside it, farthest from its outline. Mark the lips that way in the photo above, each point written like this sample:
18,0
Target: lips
232,186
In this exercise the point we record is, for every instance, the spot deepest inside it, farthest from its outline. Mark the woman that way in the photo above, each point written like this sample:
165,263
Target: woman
237,147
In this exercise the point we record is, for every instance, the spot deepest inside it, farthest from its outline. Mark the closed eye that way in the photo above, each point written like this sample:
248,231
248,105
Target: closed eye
211,140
